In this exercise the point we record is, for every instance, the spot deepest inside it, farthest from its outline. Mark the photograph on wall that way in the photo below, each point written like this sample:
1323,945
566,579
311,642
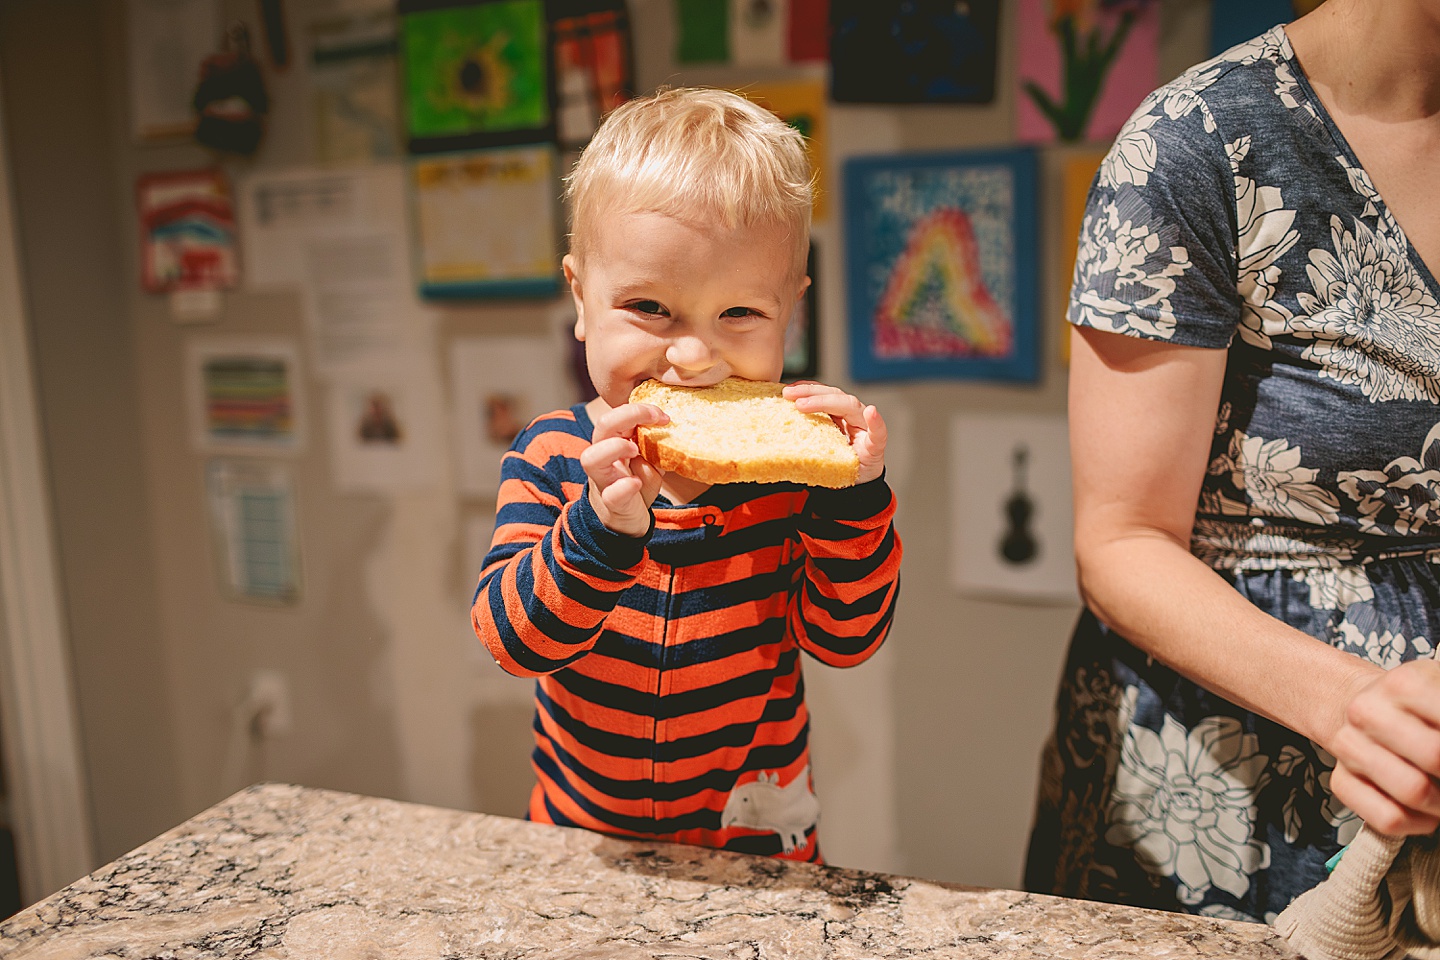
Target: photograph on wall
354,71
801,103
1011,514
476,73
941,265
802,335
498,385
384,426
594,65
187,231
244,395
915,51
1085,65
253,531
487,223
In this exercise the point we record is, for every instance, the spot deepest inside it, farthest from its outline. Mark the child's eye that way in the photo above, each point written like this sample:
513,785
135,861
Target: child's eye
648,307
739,313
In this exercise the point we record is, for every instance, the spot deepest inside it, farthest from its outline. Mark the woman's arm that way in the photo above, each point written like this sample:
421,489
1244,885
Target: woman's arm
1142,418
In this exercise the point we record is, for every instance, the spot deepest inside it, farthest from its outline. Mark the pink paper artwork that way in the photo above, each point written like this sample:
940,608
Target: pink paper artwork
1085,65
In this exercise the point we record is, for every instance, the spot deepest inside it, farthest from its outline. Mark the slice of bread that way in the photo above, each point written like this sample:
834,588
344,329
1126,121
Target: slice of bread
743,431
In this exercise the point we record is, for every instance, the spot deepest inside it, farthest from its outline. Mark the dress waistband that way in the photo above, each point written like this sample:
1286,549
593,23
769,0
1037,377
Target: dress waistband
1228,543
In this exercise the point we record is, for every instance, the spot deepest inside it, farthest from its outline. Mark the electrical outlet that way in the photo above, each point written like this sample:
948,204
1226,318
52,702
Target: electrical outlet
269,703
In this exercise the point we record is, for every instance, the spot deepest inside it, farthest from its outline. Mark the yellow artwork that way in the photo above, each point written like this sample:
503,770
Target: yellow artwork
1076,175
802,105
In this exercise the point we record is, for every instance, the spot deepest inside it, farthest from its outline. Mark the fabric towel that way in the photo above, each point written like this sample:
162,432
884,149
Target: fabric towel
1382,902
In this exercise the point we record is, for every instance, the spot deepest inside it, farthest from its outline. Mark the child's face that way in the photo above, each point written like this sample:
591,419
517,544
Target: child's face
682,302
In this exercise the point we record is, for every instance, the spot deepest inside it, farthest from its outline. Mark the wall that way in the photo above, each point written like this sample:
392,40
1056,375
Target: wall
925,757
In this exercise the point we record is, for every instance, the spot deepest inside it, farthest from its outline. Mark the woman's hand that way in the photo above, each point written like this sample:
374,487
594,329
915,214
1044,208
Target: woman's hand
623,484
862,423
1388,750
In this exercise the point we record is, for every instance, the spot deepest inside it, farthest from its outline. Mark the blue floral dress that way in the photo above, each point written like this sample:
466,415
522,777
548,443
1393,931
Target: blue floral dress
1231,214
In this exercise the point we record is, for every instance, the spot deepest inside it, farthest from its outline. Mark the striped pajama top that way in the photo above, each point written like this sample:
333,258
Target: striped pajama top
669,701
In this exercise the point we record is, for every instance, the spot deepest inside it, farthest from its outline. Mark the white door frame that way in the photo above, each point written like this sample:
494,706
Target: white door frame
44,772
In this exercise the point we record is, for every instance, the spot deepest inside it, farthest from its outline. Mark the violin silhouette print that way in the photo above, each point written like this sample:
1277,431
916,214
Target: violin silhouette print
1018,545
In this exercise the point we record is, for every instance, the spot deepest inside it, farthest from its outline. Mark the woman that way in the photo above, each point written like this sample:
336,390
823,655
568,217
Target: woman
1255,427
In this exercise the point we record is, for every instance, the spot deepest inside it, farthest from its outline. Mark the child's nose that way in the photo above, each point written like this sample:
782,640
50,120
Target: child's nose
690,353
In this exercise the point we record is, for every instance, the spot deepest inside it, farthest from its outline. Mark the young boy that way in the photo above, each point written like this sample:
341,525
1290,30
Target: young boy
664,618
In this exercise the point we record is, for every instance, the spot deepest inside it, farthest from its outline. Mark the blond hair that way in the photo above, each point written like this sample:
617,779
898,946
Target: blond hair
697,154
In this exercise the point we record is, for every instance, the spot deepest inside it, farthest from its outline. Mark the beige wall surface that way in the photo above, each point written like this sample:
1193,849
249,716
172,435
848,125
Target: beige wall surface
926,757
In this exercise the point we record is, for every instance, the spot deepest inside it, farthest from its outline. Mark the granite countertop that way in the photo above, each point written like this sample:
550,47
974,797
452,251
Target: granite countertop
285,871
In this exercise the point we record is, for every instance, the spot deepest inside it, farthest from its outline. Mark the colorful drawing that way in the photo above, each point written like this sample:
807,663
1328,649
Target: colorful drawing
919,51
476,73
942,265
244,395
187,231
594,72
1085,65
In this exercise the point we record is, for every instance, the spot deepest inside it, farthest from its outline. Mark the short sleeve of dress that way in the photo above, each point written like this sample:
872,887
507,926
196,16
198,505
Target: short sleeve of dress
1156,255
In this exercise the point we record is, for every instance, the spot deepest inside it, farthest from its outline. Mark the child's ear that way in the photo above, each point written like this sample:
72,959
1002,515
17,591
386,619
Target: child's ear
572,277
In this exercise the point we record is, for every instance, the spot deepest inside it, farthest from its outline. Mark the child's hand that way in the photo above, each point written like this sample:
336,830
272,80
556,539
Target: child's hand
622,483
864,424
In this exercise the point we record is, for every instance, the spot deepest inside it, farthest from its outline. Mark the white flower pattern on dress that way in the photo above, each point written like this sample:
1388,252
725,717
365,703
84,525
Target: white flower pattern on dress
1371,316
1132,159
1125,272
1335,588
1182,801
1402,499
1269,473
1266,233
1383,647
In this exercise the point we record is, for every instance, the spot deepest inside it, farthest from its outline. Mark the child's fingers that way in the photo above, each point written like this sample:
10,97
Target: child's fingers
622,421
842,406
608,461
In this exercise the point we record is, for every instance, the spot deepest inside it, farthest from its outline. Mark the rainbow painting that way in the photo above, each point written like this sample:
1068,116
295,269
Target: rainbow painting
942,270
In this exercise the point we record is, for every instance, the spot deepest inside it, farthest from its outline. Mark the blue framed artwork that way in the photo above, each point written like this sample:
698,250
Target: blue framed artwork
942,266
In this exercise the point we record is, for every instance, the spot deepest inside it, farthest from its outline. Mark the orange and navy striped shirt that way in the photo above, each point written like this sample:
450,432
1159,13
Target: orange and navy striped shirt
669,700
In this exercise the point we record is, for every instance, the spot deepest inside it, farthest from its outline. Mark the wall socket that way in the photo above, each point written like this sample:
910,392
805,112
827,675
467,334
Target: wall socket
268,703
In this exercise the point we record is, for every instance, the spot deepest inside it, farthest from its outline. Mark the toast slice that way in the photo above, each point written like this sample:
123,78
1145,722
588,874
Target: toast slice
743,431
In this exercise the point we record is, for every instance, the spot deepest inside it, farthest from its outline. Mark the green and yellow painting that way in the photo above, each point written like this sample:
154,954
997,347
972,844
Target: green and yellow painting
476,68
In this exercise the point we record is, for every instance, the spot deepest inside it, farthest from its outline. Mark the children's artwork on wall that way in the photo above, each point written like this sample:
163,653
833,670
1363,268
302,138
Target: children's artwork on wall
1011,515
802,336
487,223
251,504
808,36
941,269
384,428
594,65
702,31
476,73
1077,172
354,74
801,103
758,33
1085,65
913,51
187,231
244,395
500,384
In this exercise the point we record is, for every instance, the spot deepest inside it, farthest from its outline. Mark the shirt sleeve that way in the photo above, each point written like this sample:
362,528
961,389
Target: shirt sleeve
843,599
554,572
1156,255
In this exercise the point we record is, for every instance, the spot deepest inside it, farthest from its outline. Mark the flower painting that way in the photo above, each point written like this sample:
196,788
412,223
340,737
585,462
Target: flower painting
941,265
1085,65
